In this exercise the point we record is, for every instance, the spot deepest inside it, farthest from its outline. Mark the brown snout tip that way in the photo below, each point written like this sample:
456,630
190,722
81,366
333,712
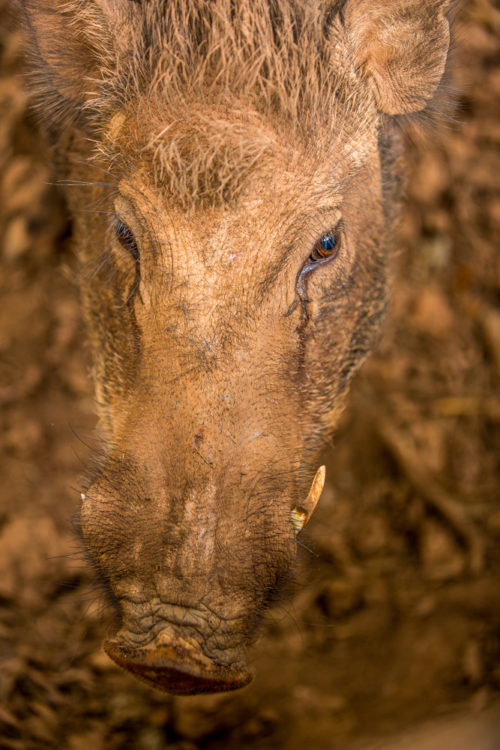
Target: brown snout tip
176,670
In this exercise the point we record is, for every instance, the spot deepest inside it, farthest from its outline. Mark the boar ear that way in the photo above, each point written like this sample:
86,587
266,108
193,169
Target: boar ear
401,46
70,45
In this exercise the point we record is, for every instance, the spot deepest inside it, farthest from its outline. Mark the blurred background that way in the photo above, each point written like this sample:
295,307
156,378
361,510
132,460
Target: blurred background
394,618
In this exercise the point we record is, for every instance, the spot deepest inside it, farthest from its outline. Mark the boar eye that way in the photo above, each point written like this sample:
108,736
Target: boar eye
326,247
126,238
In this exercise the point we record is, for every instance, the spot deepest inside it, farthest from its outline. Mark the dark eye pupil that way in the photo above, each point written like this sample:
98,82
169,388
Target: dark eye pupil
326,247
328,242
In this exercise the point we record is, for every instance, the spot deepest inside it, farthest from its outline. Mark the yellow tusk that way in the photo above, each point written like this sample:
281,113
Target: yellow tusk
316,489
300,516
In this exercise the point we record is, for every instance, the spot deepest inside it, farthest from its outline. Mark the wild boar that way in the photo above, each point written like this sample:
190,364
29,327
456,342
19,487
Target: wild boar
232,170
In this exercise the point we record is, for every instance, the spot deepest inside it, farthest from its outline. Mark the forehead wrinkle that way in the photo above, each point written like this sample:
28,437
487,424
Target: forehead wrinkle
287,204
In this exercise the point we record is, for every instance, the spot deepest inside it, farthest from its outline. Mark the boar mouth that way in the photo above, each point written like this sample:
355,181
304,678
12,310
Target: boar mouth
175,669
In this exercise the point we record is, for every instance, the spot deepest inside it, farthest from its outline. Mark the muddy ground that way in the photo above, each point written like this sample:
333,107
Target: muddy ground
394,618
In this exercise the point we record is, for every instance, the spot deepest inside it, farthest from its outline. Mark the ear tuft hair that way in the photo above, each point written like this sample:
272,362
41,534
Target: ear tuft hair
401,47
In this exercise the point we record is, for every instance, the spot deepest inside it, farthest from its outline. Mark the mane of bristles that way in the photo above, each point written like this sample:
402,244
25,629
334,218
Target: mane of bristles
216,79
273,55
207,84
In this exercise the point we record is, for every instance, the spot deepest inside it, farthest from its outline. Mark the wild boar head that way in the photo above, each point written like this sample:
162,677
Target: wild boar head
232,171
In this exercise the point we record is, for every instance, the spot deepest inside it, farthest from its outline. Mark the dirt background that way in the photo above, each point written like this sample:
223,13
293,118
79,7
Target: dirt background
395,615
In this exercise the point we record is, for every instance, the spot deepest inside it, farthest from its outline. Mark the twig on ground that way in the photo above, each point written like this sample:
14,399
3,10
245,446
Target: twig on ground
436,496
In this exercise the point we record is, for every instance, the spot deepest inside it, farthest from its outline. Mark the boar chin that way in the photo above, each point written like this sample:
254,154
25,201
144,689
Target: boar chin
176,668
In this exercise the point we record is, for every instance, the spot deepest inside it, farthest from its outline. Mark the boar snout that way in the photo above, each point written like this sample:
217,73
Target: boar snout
191,574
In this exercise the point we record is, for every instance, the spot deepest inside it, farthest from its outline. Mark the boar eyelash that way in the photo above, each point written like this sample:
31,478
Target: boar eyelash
126,238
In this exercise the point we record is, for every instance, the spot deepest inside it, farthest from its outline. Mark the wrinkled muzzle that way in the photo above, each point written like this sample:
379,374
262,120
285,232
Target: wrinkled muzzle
191,574
175,668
